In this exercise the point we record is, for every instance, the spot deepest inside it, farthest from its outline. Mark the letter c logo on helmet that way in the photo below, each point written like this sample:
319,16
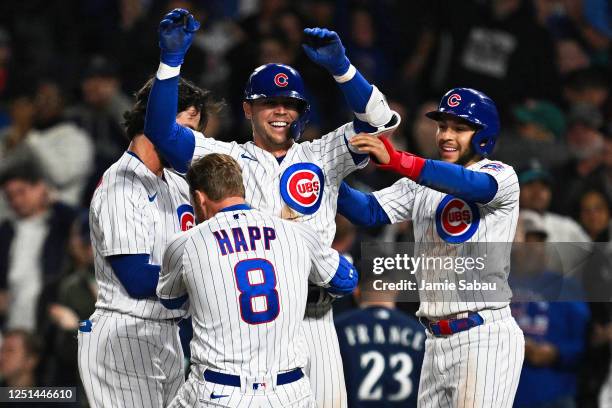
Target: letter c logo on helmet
281,79
454,100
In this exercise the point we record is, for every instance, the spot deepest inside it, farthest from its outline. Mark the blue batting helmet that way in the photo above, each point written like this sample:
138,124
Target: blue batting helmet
476,108
278,80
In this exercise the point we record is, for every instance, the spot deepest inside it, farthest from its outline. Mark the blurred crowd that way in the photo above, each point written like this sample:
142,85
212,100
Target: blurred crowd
68,69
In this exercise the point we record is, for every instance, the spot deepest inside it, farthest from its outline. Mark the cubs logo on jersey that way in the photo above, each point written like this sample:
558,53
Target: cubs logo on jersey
456,219
301,187
185,216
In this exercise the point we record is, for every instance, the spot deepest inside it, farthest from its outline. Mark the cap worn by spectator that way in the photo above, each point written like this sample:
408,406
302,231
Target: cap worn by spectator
100,67
534,172
543,114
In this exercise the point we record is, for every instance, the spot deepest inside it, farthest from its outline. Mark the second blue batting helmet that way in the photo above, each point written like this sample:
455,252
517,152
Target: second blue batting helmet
477,109
276,81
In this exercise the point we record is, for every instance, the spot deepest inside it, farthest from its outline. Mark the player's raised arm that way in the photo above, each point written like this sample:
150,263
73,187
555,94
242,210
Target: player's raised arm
329,269
372,112
175,142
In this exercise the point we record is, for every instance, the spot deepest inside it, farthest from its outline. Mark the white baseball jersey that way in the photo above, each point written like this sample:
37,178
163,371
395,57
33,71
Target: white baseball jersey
443,222
246,274
133,211
305,183
129,350
306,180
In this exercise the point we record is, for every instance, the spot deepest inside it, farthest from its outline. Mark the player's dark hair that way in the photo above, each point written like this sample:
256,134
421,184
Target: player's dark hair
217,175
26,171
189,95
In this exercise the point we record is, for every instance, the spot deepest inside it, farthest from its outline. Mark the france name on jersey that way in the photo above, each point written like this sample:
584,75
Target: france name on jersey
133,211
383,352
304,185
246,274
448,226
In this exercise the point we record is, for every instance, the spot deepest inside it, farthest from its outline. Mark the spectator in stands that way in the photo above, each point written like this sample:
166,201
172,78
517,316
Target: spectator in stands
19,357
64,151
100,114
595,215
555,331
32,244
536,195
537,134
65,302
585,142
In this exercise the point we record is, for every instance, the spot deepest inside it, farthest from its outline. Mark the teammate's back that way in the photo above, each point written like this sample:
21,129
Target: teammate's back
247,275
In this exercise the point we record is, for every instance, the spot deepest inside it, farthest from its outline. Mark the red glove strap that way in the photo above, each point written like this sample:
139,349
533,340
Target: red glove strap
406,164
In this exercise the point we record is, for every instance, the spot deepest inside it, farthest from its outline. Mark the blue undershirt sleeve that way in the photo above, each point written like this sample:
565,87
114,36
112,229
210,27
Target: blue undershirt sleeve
357,92
176,143
136,274
360,208
458,181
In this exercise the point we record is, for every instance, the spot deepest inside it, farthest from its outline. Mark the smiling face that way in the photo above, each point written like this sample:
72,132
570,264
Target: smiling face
454,141
270,119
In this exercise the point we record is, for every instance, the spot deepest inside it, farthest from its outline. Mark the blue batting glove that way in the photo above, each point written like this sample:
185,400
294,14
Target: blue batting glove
325,48
175,36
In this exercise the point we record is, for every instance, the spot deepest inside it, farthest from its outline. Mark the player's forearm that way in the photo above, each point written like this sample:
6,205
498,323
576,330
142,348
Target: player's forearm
136,274
176,143
360,208
458,181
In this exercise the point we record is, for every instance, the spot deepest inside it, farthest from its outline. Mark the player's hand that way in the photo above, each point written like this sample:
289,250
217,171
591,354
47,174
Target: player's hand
325,48
372,145
175,36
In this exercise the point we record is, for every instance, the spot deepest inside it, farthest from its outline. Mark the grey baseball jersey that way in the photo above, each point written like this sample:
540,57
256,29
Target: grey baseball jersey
246,275
479,367
133,211
304,187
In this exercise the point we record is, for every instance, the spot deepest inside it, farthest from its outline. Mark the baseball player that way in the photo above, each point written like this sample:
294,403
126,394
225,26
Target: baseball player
382,350
246,274
281,177
129,351
474,349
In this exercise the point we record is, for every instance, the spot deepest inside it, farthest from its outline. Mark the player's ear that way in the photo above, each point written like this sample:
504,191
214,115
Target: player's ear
248,112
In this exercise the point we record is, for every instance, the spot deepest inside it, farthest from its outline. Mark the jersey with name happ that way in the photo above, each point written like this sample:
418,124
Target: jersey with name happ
246,276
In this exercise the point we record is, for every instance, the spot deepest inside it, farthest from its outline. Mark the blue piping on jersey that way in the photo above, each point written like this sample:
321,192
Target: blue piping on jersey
236,208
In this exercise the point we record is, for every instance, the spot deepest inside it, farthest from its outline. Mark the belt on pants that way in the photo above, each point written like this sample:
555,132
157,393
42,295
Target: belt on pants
234,380
450,326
